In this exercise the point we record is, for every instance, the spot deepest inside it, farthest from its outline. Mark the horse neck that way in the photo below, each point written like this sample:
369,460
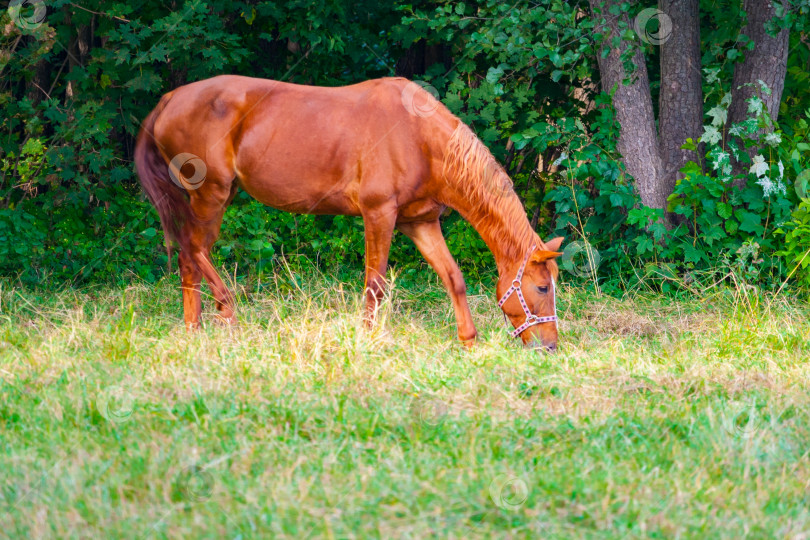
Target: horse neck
481,191
504,228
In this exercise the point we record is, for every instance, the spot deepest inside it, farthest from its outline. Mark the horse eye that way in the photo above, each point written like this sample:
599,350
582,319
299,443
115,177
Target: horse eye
543,290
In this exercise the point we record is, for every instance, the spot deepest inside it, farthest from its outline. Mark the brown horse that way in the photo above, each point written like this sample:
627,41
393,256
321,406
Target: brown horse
385,150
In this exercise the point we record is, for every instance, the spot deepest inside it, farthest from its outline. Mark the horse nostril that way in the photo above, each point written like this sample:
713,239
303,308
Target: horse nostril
552,347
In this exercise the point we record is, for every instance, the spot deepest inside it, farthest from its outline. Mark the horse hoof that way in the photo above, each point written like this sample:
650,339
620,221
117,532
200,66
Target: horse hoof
227,321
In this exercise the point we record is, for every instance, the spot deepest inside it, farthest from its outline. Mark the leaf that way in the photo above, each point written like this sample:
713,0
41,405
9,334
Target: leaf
749,221
710,135
759,167
494,74
755,105
644,244
636,216
719,115
691,253
724,210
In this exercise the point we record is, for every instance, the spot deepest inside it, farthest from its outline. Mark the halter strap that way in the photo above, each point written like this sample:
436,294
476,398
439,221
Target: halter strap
531,319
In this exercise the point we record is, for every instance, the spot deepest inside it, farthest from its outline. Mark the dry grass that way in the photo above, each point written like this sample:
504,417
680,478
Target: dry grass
655,418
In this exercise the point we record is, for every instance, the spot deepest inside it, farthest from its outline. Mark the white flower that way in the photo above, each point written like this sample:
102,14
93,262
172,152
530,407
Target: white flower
768,186
773,139
710,135
759,167
755,105
719,115
781,170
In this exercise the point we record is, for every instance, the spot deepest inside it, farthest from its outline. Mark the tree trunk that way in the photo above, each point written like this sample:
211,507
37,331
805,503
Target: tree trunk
767,62
680,115
77,50
419,57
36,88
638,141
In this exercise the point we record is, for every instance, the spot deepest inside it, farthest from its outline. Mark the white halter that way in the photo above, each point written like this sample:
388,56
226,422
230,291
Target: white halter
531,319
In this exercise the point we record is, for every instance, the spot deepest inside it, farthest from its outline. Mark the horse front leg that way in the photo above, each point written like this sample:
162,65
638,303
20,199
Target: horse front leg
190,278
430,241
379,228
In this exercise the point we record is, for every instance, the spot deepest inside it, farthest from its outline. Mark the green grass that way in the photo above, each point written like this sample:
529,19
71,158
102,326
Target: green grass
656,418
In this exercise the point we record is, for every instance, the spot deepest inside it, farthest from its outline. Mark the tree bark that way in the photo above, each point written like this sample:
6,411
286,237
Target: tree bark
680,107
767,62
36,88
638,141
419,57
78,50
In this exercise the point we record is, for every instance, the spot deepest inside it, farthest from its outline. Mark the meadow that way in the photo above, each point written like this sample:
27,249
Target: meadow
657,417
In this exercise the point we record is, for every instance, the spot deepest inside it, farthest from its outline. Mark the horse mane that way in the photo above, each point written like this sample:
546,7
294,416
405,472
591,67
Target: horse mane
472,169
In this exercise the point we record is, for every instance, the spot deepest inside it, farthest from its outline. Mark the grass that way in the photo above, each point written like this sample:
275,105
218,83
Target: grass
656,418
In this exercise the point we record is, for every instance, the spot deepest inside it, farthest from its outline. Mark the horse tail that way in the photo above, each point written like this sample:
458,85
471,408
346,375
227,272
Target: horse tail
169,199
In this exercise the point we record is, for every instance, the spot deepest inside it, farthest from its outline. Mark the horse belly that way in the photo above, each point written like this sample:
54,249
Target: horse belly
302,195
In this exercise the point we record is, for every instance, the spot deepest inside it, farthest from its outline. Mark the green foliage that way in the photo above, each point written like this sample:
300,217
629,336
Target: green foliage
796,234
522,75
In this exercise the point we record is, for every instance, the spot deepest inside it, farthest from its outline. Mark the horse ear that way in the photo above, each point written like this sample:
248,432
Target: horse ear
554,244
543,256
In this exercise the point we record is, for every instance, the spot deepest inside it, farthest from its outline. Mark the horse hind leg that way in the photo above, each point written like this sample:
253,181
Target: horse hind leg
379,228
195,263
209,207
